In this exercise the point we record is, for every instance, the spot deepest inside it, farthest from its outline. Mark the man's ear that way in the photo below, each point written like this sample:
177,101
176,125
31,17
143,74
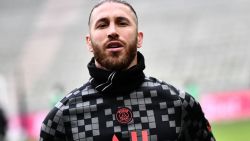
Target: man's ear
89,44
139,39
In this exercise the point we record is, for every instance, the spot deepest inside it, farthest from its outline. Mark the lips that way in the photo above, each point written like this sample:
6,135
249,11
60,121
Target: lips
114,44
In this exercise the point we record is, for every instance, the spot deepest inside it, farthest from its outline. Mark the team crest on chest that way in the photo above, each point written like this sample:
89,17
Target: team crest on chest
124,115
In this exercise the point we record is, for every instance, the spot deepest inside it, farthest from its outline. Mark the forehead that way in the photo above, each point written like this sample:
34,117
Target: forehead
110,10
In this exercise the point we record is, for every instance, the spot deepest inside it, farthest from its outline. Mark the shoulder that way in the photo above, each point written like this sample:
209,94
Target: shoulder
64,104
73,95
185,99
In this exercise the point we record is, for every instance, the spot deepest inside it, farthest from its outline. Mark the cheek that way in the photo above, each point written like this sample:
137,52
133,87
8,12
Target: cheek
97,40
129,35
98,35
133,38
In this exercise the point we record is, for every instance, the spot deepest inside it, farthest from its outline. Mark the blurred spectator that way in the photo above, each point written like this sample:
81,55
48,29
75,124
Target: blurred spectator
3,125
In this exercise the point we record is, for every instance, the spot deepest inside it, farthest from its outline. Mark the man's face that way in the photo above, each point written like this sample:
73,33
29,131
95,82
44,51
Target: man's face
113,37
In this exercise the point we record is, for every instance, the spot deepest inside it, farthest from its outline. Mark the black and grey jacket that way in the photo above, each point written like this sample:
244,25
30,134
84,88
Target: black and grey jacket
126,106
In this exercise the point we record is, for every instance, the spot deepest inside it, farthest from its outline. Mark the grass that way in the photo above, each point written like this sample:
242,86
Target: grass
232,131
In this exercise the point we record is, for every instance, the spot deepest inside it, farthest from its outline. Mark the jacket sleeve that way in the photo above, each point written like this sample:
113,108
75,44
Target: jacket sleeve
53,126
195,127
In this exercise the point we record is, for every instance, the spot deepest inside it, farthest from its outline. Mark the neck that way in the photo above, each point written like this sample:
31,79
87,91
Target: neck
106,81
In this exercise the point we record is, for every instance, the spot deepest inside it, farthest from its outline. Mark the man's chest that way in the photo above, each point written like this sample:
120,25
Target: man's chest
139,116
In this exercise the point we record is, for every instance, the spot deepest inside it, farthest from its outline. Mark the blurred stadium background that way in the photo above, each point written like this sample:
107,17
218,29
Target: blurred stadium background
200,46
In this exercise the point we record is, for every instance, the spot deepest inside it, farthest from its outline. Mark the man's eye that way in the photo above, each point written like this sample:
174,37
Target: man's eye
101,25
123,23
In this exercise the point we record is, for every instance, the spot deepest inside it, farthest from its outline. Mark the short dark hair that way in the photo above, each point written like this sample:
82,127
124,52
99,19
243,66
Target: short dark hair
116,1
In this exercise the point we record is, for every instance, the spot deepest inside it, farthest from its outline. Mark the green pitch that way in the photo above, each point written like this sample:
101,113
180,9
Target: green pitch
232,131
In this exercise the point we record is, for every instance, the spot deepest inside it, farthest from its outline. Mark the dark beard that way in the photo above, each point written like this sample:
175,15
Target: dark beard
116,61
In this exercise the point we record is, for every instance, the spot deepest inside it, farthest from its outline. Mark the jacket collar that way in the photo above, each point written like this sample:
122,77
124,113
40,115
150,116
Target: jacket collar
117,81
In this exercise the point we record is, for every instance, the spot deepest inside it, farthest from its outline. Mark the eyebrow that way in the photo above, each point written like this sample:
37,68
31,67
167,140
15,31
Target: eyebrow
120,18
105,19
102,19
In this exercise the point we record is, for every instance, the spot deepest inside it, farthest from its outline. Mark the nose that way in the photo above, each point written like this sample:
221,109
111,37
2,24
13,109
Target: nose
112,32
113,36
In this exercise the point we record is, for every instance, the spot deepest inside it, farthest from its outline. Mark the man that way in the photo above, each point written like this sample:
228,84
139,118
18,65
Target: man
118,102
